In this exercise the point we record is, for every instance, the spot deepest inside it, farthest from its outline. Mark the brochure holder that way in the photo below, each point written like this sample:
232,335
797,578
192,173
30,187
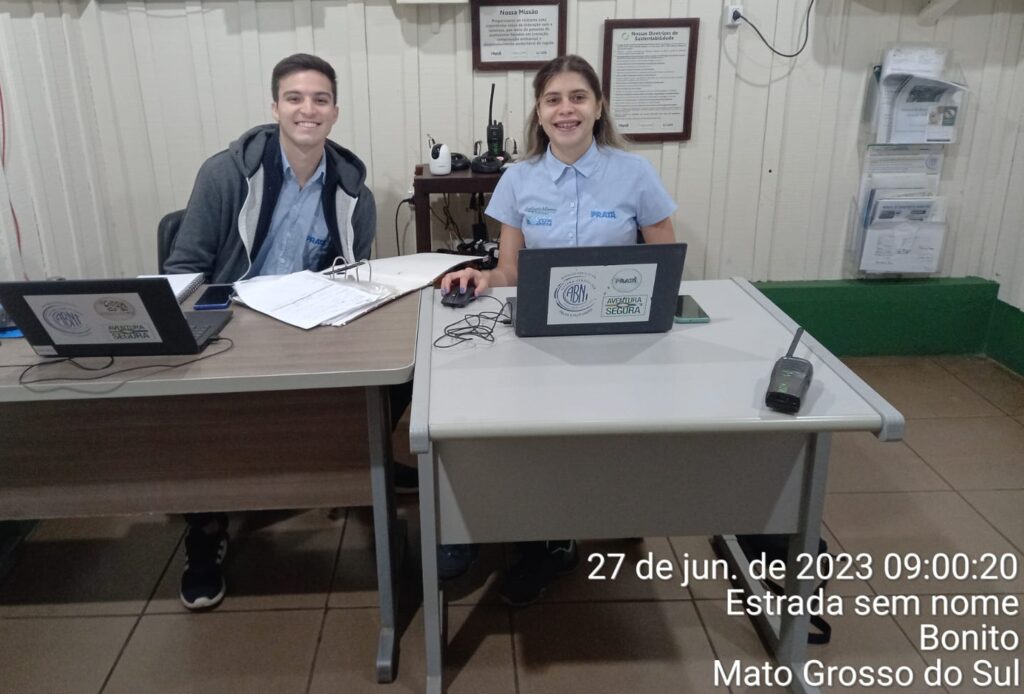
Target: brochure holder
914,106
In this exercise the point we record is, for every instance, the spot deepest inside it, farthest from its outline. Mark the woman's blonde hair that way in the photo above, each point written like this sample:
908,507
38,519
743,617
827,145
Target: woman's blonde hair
605,132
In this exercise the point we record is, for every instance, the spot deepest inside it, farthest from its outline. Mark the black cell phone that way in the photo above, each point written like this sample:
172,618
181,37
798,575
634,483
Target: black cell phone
689,311
216,296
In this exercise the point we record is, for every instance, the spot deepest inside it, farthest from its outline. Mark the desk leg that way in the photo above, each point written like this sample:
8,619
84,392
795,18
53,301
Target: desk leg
384,527
791,648
421,201
433,600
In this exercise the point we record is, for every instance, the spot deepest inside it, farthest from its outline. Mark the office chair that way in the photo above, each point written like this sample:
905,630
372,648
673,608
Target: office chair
166,231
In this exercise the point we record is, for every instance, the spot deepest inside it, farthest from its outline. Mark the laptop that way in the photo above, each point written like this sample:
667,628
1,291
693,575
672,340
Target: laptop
107,318
597,290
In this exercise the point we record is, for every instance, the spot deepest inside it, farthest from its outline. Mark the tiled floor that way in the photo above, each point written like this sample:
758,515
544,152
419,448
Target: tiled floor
91,605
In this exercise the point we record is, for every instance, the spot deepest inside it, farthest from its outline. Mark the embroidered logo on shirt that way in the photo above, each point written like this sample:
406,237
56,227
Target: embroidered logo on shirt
539,221
602,214
315,241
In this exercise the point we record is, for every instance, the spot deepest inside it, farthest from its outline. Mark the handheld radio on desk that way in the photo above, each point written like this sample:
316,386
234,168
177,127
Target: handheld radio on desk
495,130
492,160
789,381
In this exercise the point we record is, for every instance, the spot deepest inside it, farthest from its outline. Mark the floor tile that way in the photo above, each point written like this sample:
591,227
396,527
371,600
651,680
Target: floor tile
698,550
276,560
67,655
869,640
979,453
923,389
997,384
355,579
597,559
616,647
856,641
965,658
1004,510
734,638
478,657
89,566
922,523
223,652
859,462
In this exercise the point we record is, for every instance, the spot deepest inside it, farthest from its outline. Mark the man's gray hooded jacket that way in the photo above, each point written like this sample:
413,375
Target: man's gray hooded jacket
232,202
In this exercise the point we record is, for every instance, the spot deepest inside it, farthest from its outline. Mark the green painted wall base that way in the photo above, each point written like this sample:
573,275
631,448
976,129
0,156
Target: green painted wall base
1005,341
925,316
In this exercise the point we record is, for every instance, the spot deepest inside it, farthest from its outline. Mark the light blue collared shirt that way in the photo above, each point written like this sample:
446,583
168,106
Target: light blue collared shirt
297,238
601,200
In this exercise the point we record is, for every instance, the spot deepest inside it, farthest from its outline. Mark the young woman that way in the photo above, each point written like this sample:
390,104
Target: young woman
576,187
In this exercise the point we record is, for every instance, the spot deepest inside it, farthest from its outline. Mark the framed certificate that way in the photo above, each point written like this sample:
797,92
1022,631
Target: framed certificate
649,66
511,35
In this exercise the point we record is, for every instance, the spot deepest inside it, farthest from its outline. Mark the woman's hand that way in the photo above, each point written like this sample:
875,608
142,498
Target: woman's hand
463,278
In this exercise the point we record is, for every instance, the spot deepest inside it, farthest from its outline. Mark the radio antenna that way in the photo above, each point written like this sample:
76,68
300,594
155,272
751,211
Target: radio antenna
490,109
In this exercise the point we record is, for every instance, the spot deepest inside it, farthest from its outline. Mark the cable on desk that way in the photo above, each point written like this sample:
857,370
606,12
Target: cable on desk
473,325
26,384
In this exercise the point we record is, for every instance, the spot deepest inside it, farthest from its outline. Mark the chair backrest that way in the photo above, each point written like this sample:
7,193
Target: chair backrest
166,231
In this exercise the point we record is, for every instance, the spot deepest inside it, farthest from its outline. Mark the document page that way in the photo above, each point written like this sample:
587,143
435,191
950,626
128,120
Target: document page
306,299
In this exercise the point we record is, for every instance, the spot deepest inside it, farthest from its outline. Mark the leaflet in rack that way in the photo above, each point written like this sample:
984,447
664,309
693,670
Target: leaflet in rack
308,299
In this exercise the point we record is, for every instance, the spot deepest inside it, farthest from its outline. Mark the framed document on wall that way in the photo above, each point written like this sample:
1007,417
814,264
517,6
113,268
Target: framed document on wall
517,34
649,65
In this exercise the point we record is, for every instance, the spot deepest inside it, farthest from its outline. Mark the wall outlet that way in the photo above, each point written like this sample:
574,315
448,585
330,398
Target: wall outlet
730,16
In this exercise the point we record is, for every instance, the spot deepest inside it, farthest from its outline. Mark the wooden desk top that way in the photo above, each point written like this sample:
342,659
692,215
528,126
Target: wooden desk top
377,349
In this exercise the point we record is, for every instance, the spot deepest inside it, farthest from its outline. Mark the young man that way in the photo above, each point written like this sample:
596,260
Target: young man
281,198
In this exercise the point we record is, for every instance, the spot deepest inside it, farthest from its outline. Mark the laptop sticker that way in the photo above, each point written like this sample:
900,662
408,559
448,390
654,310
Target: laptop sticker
601,294
94,319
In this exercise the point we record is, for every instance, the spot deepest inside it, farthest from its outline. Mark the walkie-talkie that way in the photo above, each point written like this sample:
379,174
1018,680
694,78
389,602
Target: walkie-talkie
495,130
790,380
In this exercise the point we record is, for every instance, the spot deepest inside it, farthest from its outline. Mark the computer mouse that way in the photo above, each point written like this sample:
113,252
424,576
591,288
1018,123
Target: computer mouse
456,299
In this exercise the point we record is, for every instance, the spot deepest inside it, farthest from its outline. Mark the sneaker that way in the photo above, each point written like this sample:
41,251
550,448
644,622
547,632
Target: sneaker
407,479
455,560
202,583
540,564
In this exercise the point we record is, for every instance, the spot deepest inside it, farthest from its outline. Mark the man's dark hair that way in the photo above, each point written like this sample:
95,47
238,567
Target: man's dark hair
300,62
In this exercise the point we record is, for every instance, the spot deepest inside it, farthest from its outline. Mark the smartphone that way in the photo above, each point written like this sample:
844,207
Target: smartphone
689,311
216,296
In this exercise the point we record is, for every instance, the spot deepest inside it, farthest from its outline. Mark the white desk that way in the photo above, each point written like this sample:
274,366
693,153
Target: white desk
628,435
286,419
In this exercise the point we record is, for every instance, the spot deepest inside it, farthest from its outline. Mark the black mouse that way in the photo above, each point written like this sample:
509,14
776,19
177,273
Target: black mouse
454,299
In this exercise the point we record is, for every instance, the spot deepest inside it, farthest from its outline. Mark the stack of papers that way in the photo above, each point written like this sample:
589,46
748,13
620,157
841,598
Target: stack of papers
308,299
912,103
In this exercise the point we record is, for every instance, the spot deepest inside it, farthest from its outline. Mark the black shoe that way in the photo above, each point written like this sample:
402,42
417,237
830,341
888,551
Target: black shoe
455,560
202,583
540,564
407,479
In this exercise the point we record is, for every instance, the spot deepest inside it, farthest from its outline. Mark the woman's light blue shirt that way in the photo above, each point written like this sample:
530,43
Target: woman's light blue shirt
601,200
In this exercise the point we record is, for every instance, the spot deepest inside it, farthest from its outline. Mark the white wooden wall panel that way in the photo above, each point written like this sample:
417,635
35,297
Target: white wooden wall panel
113,105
